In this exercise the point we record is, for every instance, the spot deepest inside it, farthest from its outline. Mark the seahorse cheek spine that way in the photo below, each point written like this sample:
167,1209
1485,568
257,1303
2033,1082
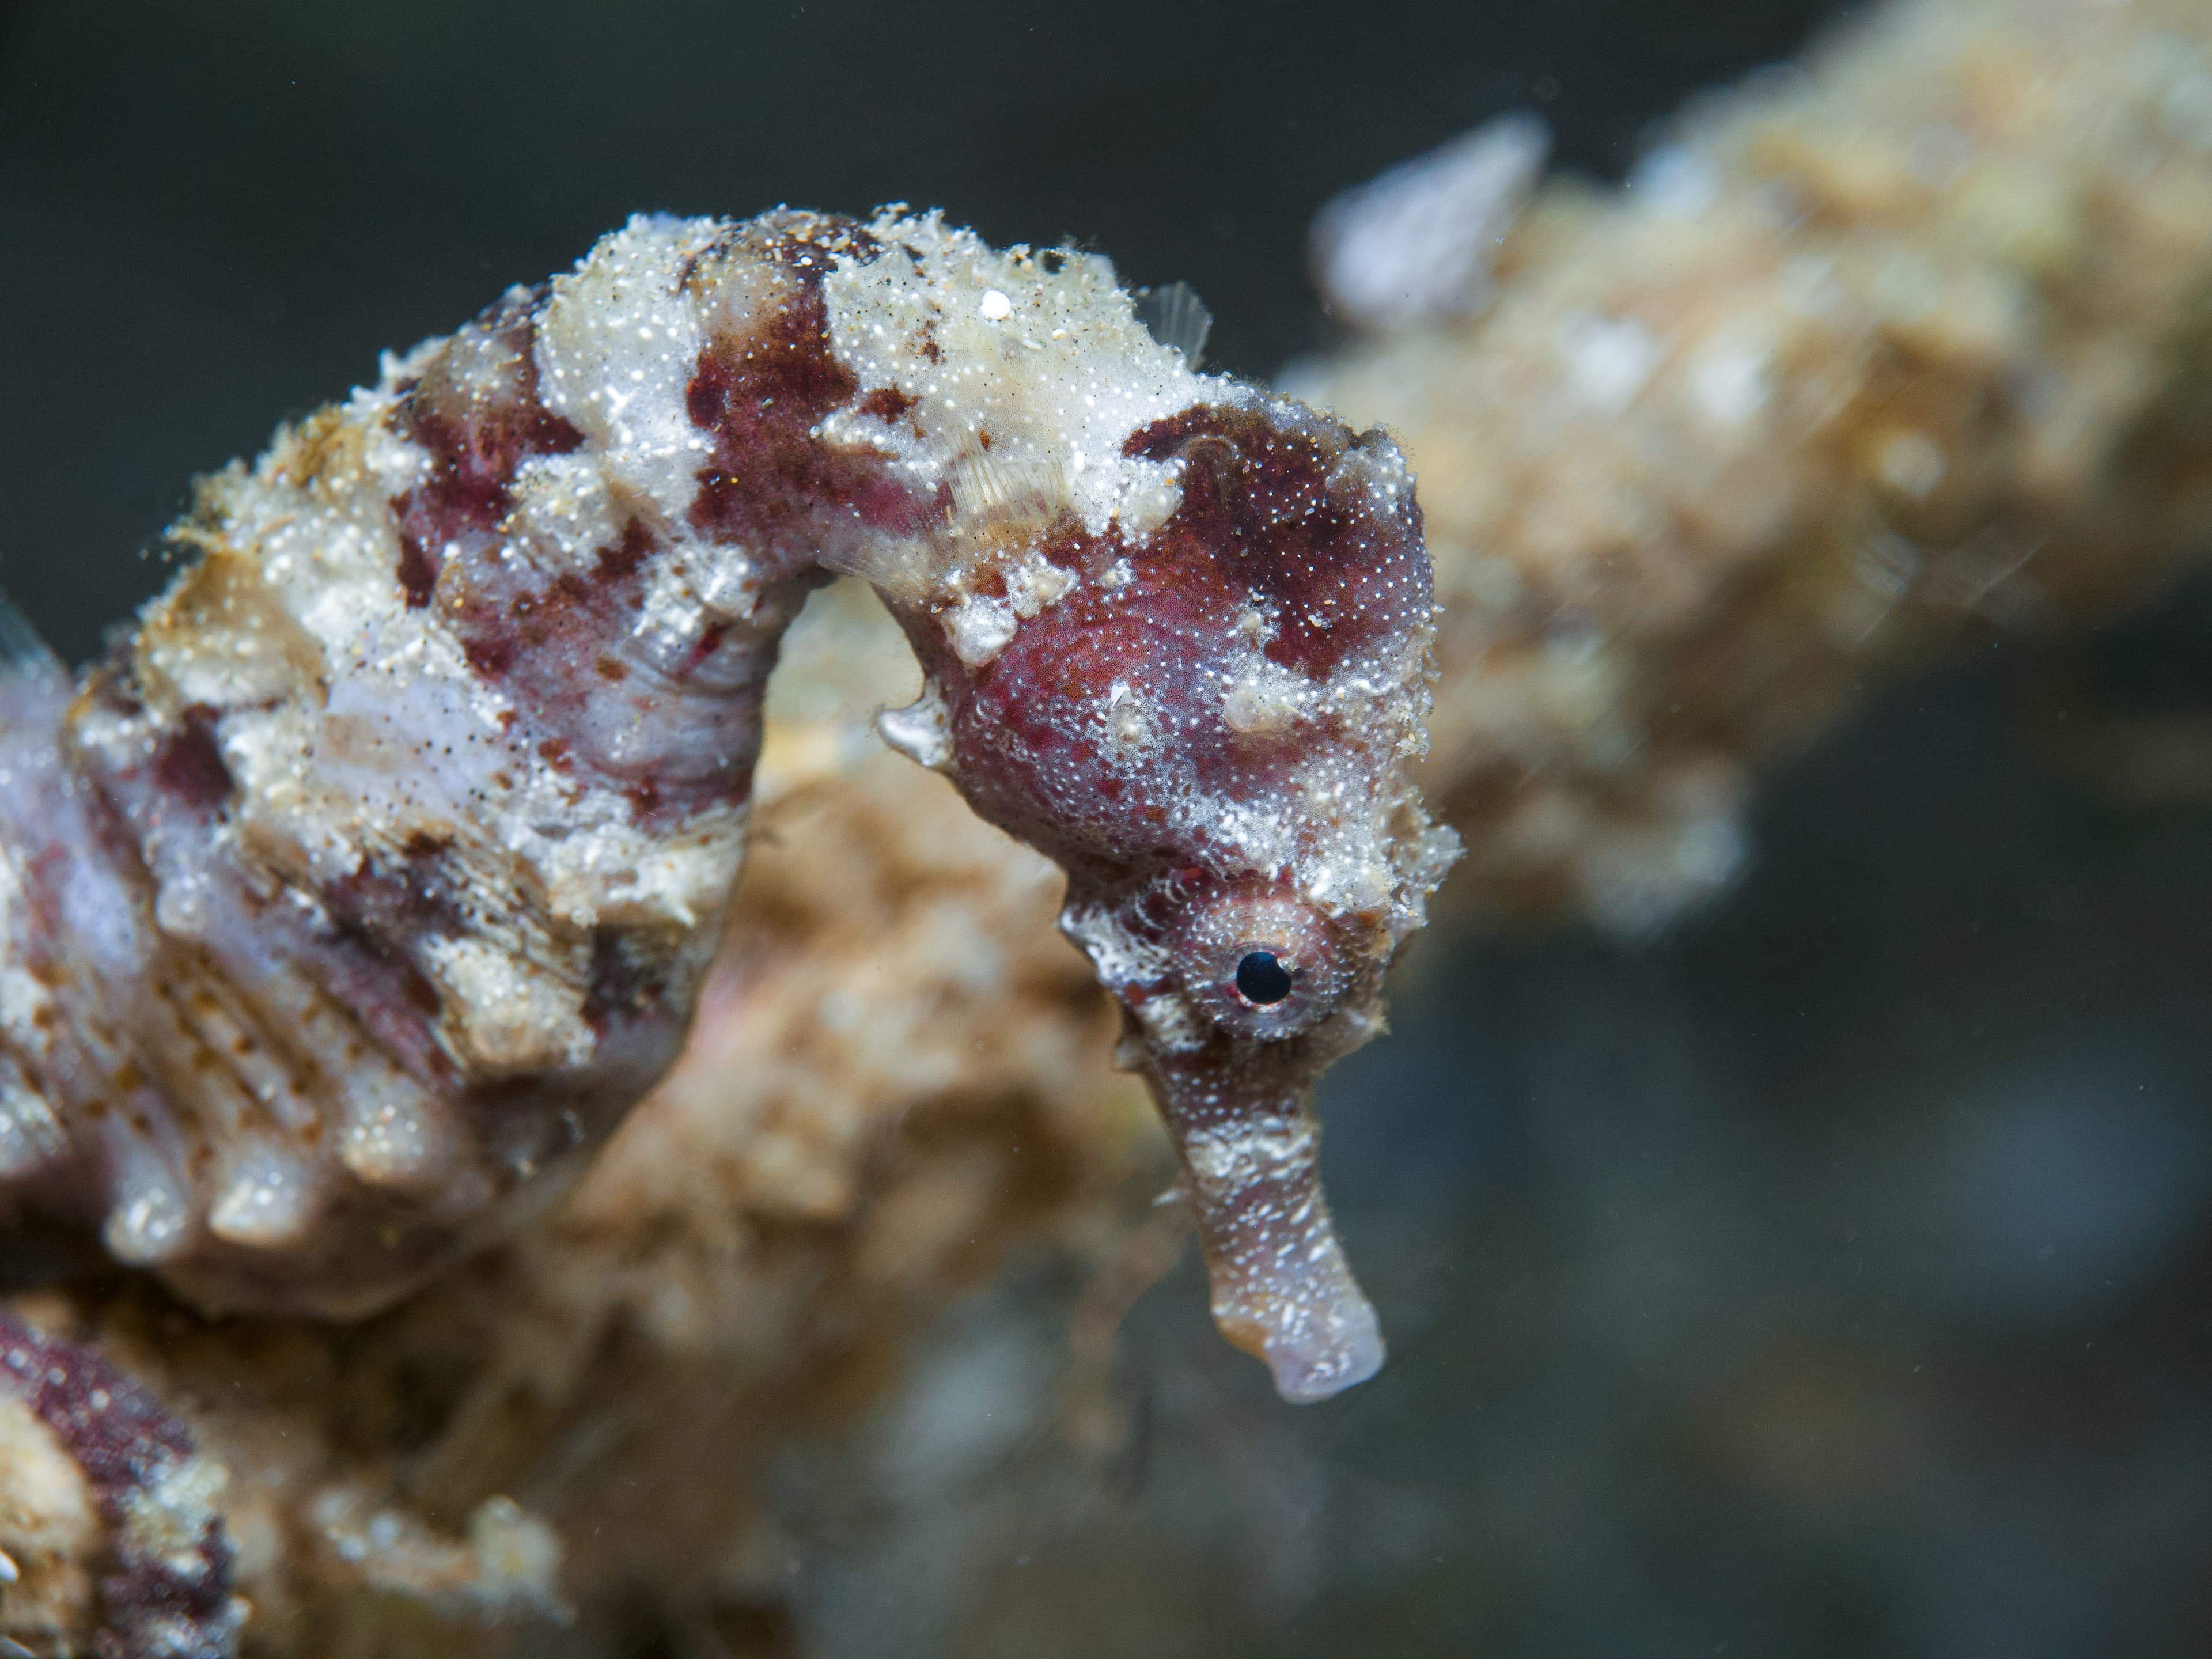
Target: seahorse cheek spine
355,895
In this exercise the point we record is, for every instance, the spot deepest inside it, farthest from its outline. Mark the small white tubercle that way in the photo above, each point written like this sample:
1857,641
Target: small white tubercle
980,627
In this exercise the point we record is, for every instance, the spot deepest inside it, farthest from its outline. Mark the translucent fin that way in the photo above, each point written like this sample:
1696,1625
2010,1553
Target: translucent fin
21,650
987,491
889,563
1414,246
1176,317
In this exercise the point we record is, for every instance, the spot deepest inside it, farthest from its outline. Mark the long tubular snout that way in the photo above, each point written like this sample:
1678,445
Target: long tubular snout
1282,1290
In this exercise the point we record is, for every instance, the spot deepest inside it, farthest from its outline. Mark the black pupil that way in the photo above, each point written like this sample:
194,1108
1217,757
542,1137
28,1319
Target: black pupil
1262,979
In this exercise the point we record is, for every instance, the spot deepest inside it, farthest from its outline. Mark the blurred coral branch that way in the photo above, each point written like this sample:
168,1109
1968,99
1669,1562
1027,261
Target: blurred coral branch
1904,345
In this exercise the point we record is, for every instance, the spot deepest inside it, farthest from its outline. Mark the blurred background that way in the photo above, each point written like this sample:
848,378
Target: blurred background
1831,1276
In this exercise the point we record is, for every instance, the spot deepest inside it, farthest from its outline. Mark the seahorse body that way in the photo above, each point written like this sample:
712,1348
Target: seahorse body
353,897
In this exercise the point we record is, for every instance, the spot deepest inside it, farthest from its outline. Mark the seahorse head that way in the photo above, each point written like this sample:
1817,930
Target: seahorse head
1207,711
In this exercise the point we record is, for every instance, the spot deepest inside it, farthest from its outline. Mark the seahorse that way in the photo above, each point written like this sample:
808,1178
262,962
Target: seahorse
347,903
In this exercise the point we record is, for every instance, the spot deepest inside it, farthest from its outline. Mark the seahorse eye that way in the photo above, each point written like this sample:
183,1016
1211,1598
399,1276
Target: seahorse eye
1262,978
1259,962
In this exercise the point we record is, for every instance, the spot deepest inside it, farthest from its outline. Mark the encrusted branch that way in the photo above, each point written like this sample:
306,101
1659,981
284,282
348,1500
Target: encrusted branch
1909,346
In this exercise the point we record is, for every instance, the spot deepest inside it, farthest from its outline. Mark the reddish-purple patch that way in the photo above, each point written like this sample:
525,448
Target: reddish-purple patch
116,1431
773,485
490,650
405,898
1277,517
419,571
545,637
624,558
563,649
887,404
377,916
189,766
709,641
1275,509
478,432
1024,724
625,986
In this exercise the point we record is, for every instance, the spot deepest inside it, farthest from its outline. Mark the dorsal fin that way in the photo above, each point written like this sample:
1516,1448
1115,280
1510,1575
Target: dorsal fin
21,650
1176,317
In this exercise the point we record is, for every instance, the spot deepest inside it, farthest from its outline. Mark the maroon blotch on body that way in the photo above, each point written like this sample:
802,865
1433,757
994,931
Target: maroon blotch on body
1292,523
178,1604
774,486
477,435
190,766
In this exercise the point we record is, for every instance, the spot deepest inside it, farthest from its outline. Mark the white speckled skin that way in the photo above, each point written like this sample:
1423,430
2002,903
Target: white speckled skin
350,903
